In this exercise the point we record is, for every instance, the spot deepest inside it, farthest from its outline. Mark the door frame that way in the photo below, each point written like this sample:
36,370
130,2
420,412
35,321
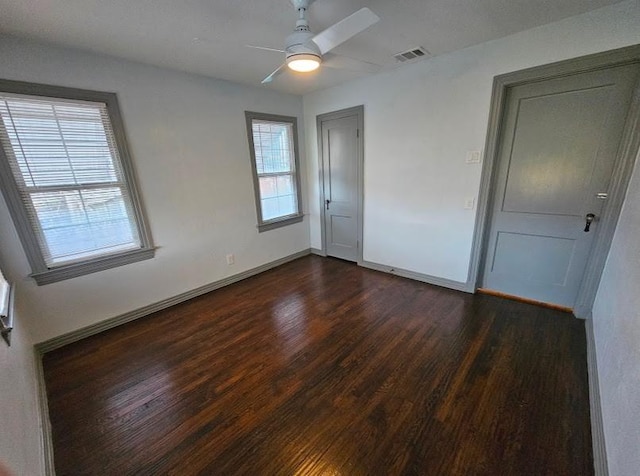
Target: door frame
624,162
352,111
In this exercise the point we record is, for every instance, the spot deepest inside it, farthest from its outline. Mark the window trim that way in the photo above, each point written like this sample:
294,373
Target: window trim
39,270
266,225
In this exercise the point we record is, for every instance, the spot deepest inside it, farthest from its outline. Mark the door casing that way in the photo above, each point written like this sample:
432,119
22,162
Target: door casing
624,162
352,111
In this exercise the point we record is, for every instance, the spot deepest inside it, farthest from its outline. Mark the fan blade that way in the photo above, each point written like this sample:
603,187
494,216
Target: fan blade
266,48
345,29
277,72
332,60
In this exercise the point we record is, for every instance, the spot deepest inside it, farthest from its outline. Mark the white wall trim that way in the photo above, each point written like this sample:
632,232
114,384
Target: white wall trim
597,427
68,338
425,278
316,251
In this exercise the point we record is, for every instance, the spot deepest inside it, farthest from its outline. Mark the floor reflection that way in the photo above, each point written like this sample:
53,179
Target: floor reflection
290,318
151,397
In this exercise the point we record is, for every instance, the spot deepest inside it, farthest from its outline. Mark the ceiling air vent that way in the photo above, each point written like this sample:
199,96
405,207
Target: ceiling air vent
412,54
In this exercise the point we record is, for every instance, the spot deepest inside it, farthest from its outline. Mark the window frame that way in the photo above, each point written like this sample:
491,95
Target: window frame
39,269
6,320
266,225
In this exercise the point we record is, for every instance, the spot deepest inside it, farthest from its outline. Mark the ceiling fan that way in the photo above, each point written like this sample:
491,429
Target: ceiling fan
305,51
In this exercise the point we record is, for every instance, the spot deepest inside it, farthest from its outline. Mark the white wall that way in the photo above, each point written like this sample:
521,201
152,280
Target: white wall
421,119
20,429
189,146
616,322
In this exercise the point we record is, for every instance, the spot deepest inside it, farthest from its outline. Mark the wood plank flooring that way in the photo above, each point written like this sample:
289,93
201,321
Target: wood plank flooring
322,368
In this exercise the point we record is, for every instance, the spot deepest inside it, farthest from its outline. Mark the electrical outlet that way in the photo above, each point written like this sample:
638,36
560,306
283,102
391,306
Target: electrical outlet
473,157
231,259
469,203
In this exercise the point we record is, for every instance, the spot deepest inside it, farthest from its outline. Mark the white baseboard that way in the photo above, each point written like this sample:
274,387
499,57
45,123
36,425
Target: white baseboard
597,427
425,278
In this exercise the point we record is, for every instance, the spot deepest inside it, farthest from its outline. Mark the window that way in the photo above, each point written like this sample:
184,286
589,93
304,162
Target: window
273,141
6,302
68,180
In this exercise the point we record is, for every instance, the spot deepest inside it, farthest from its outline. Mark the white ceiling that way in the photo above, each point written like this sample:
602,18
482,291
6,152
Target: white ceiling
208,36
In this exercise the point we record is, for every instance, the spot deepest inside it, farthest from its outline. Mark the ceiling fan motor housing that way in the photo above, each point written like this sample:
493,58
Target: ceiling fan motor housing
299,43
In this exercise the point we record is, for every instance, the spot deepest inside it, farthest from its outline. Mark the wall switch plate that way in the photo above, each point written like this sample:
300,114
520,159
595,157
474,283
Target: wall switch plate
231,259
473,157
469,203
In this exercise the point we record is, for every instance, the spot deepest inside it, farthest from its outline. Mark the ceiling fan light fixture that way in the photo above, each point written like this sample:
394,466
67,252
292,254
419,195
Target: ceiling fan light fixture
303,63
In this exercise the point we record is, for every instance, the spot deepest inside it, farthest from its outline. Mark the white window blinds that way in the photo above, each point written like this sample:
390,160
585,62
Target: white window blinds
65,161
275,167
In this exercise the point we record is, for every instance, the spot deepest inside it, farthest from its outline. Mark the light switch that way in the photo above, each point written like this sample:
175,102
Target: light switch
469,203
473,157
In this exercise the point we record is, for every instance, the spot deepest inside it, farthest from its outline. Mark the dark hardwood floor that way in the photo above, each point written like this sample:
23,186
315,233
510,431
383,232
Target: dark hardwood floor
322,368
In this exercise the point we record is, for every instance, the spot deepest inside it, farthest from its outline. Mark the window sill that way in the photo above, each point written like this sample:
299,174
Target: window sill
272,225
87,267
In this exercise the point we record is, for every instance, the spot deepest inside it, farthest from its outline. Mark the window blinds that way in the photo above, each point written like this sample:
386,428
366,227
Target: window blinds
65,160
275,166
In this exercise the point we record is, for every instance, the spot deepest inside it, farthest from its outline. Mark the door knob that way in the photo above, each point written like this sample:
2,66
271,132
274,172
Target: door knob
327,202
590,217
